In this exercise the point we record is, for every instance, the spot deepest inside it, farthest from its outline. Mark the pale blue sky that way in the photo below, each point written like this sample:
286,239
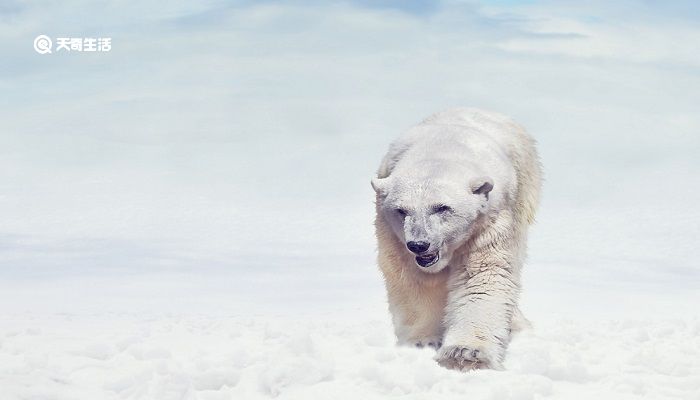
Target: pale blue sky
215,135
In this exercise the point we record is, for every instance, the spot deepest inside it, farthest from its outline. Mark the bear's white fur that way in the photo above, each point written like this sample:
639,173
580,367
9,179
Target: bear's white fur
466,183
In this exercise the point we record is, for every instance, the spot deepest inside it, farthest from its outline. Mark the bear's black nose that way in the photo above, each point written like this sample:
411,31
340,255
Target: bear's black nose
418,247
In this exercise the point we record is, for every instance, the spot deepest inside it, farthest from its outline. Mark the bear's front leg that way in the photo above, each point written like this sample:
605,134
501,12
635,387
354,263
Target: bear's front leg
417,310
481,302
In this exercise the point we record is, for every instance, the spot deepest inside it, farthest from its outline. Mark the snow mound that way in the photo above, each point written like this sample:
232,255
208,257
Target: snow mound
215,358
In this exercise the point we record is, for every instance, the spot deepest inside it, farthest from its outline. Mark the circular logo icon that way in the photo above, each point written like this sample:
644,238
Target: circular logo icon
42,44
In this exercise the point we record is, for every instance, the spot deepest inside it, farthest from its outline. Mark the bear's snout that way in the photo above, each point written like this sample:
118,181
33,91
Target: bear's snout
418,247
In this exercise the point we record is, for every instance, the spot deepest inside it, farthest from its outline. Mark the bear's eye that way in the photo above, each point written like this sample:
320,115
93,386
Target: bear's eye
441,208
401,212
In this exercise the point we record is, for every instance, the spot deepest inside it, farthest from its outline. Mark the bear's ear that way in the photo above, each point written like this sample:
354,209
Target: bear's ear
379,185
482,185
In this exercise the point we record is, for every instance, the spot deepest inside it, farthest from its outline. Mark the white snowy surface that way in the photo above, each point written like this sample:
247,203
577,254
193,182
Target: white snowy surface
171,357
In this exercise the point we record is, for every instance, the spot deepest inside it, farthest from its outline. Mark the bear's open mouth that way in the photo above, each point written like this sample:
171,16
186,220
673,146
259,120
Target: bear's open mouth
426,260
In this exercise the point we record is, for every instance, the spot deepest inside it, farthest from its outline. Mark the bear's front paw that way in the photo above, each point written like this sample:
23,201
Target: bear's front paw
465,358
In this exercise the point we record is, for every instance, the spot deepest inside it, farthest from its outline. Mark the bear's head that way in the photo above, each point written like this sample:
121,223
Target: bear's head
432,217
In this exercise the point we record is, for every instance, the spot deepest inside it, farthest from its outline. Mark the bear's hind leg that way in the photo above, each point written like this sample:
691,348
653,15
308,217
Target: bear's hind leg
519,323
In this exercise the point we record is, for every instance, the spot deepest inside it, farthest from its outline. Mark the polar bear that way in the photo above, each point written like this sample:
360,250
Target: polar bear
454,198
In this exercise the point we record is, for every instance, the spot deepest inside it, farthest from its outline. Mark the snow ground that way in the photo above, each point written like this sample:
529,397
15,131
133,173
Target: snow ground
165,357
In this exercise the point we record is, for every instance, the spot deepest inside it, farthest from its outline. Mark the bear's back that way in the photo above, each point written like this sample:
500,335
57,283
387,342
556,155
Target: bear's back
477,142
489,135
475,125
461,135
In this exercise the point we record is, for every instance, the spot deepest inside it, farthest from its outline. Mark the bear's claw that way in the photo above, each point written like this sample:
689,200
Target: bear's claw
463,358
